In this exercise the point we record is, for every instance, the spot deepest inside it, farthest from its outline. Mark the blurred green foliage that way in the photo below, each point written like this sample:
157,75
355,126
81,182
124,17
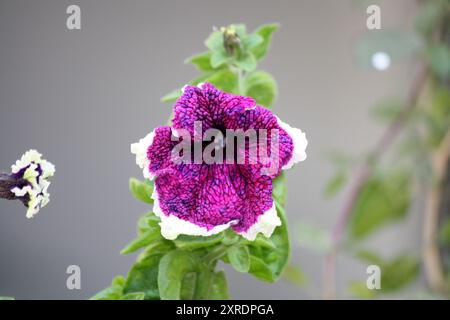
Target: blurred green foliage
387,189
396,273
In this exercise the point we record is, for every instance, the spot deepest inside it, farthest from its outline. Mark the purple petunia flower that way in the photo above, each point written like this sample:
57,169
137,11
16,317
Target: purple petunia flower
197,196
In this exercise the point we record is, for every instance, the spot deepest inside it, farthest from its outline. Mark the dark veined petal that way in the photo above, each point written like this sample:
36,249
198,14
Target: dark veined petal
202,198
206,199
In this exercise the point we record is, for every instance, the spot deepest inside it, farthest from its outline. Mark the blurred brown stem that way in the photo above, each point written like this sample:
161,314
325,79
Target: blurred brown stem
430,251
363,174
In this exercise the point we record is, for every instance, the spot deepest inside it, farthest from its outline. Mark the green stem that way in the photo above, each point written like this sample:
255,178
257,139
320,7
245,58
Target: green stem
204,280
215,254
241,76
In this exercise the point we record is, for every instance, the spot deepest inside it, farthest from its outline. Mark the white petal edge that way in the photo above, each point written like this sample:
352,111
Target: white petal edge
36,201
172,226
300,144
199,85
26,159
48,169
265,224
33,206
21,192
140,150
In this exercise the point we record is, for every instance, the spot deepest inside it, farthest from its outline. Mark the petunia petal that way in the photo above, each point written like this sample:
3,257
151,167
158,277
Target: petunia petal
172,226
277,142
211,198
299,141
140,150
265,224
153,152
209,105
20,192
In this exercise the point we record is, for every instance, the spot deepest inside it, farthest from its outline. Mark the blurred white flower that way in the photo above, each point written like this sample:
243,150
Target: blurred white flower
28,182
381,61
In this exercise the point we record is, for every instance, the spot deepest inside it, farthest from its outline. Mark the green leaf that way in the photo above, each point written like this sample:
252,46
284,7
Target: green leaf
313,238
148,231
370,257
118,281
279,189
172,270
265,32
239,257
7,298
142,241
143,277
395,43
218,58
219,289
230,237
439,59
246,61
260,241
268,264
114,292
382,200
336,183
241,29
396,273
147,221
399,273
215,41
224,80
134,296
201,61
260,269
193,242
141,190
188,286
205,278
160,246
261,86
110,293
251,41
172,96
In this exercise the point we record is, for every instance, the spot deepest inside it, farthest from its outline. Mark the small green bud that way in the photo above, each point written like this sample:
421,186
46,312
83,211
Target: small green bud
231,40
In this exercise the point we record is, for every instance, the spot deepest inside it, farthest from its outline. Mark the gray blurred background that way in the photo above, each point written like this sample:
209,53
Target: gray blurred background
81,97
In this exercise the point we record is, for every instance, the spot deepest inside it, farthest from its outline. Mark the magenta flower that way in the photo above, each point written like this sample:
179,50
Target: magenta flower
197,196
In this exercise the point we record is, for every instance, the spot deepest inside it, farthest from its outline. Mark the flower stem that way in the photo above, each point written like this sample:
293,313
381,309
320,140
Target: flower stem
6,184
241,76
215,254
432,259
